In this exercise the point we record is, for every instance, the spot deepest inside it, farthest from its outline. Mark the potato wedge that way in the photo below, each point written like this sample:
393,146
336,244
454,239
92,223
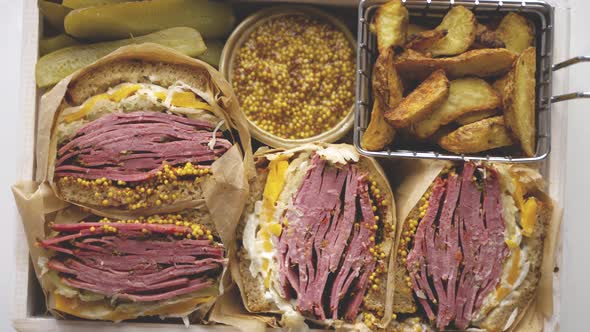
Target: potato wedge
487,38
500,84
466,96
387,85
461,25
476,116
519,101
423,41
479,136
421,102
485,62
388,92
391,24
378,133
516,32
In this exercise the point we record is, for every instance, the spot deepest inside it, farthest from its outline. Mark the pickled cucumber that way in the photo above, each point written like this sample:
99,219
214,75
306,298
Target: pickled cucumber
75,4
213,53
54,66
213,19
54,14
48,45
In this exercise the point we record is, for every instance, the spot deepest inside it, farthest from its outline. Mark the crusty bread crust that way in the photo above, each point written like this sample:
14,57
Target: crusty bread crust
252,288
520,297
100,79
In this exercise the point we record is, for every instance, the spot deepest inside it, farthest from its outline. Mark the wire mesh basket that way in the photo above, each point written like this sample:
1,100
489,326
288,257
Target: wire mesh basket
538,12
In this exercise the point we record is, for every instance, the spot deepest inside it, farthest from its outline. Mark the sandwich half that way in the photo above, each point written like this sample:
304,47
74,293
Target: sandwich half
119,269
139,134
315,239
470,252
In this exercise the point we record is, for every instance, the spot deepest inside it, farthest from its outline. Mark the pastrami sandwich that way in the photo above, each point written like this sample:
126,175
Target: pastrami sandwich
140,133
470,251
314,242
108,269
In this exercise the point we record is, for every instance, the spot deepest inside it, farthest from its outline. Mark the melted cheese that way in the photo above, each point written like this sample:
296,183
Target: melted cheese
101,309
188,99
86,107
528,216
124,91
175,96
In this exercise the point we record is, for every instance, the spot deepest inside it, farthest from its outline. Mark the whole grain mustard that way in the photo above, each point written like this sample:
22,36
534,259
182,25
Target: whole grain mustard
294,76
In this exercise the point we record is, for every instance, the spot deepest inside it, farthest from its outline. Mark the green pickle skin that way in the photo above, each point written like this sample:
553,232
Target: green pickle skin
213,53
75,4
213,19
54,66
48,45
54,14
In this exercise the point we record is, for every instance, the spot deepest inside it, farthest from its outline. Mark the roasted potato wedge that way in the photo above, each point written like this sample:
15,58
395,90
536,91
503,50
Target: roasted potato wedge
388,92
476,116
387,85
378,133
466,96
421,102
461,25
516,32
423,41
486,62
487,38
519,101
476,137
500,84
391,24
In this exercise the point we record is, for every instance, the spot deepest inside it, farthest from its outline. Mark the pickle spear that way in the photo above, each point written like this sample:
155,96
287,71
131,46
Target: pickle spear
54,14
48,45
54,66
213,53
213,19
75,4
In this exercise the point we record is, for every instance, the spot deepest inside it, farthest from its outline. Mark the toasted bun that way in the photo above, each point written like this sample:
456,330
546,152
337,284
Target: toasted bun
252,287
129,70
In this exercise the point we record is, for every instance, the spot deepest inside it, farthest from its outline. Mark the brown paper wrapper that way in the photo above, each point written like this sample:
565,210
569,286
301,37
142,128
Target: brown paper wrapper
225,191
413,177
231,310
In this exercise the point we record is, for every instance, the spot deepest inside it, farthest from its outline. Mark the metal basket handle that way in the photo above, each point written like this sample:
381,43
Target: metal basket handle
572,95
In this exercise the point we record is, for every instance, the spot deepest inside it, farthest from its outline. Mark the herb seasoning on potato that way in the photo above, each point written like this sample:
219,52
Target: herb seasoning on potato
294,76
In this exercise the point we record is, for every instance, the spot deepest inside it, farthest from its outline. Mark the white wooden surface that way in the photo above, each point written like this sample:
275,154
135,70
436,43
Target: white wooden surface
575,271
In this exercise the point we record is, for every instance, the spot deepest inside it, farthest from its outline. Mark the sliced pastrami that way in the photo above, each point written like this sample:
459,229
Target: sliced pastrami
132,265
468,229
324,259
133,147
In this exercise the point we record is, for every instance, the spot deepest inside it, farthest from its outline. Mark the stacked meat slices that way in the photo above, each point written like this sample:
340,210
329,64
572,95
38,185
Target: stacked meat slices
133,146
463,259
135,262
324,254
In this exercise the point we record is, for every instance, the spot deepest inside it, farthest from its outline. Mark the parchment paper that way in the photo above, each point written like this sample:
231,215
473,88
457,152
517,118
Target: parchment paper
225,191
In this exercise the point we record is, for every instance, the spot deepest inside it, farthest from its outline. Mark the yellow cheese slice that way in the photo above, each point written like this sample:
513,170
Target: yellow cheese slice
86,107
188,99
528,216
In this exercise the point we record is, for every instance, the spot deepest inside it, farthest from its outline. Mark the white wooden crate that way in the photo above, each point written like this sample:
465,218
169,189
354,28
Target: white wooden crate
27,297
